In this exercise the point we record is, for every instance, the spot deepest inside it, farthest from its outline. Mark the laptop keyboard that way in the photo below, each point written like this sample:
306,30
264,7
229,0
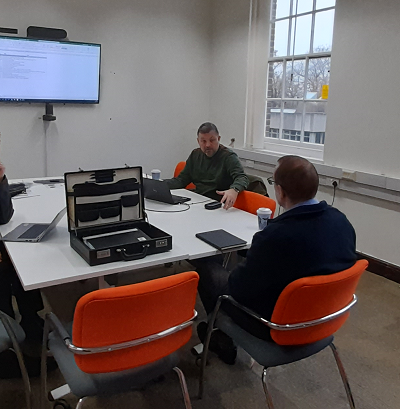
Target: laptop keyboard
33,231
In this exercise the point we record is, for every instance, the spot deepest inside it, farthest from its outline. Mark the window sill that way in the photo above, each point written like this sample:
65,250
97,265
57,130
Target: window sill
311,151
365,184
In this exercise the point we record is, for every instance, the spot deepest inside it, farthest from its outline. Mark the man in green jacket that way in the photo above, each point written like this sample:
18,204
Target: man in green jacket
214,169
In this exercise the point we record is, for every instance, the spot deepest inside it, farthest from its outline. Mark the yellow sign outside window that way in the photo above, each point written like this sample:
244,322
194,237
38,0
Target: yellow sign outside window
325,92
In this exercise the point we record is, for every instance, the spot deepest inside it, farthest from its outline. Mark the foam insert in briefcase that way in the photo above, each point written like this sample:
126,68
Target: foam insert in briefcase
106,216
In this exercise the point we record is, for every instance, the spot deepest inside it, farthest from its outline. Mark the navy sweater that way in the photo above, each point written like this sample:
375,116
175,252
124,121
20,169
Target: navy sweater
305,241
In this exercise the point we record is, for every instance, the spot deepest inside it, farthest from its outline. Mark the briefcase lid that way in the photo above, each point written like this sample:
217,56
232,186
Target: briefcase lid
104,197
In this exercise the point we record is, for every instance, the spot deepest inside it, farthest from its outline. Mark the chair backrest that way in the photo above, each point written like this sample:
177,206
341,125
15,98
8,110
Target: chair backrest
312,298
116,315
178,169
251,201
257,185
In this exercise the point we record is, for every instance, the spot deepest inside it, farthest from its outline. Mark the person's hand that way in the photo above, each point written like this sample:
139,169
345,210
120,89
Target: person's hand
2,171
228,197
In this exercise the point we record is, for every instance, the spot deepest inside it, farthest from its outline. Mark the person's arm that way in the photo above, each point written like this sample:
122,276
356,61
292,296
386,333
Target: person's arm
183,179
240,181
235,169
6,207
259,274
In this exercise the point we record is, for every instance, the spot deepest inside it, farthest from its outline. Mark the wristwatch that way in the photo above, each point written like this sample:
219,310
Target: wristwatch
236,189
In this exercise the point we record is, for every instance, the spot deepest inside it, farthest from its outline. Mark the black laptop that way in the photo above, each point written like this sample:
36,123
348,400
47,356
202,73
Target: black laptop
221,239
158,190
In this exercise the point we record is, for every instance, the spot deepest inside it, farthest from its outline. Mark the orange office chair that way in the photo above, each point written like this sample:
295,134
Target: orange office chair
251,201
307,314
123,337
11,336
178,170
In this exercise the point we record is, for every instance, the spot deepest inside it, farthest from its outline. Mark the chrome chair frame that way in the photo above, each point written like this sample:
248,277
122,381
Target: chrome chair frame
52,322
278,327
15,346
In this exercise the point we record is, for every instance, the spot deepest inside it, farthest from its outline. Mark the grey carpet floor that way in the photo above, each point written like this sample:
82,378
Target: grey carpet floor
368,344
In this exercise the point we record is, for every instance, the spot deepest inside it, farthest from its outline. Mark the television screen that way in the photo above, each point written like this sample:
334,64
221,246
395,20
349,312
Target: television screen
34,70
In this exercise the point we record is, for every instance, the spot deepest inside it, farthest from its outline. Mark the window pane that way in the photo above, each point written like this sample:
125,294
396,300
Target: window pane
323,30
273,119
291,135
282,8
279,38
292,119
321,4
295,74
273,133
303,6
318,75
303,34
275,76
315,122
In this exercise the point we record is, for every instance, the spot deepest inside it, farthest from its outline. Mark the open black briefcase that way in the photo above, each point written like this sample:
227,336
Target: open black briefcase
106,216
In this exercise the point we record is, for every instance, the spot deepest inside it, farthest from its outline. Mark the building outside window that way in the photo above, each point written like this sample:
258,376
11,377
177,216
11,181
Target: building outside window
298,72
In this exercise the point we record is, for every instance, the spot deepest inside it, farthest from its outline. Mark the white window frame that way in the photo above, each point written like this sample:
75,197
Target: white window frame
255,125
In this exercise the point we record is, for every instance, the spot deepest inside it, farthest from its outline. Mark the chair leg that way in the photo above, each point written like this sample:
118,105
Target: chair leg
210,328
20,358
204,358
343,375
43,365
80,402
25,378
226,260
266,391
185,391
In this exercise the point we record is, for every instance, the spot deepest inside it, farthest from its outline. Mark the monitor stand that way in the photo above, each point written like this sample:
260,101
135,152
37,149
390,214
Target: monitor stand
49,113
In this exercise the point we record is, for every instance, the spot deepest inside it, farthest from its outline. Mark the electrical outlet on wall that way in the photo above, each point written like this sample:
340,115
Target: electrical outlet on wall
328,181
334,182
249,163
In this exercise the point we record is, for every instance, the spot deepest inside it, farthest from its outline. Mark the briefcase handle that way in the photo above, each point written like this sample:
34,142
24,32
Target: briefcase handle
133,256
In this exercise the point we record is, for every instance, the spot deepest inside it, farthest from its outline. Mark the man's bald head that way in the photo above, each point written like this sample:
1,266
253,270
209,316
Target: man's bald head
297,177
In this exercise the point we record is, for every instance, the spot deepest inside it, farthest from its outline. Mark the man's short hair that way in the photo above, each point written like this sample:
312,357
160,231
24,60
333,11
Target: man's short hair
207,127
297,177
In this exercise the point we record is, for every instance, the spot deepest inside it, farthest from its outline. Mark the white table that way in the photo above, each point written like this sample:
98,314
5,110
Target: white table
53,261
184,225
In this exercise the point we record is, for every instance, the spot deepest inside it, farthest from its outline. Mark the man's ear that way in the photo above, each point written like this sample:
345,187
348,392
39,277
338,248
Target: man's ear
280,195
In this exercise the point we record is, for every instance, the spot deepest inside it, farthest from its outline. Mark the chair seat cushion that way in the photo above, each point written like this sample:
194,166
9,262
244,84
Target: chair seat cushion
84,384
5,341
268,353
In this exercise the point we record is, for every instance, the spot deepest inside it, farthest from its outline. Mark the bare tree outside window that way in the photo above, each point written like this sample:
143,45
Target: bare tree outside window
299,70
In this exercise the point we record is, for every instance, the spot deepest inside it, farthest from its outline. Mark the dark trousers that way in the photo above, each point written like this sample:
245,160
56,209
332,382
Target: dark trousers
213,283
29,302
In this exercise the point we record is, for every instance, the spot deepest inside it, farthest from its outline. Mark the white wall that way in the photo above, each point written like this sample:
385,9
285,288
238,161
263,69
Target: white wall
155,83
363,108
230,24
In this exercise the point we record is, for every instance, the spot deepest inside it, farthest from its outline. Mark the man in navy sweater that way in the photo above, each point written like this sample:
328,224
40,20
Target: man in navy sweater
310,238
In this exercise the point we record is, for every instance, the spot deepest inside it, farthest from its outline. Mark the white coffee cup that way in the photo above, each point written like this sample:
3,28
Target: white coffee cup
156,174
263,214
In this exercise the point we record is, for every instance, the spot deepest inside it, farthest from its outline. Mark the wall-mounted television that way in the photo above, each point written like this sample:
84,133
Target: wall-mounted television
33,70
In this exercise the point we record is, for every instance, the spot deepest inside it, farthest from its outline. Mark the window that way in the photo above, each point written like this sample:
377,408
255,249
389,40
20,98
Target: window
298,72
273,133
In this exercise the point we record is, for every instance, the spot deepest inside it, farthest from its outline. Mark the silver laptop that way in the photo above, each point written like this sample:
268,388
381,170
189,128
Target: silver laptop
33,232
158,190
